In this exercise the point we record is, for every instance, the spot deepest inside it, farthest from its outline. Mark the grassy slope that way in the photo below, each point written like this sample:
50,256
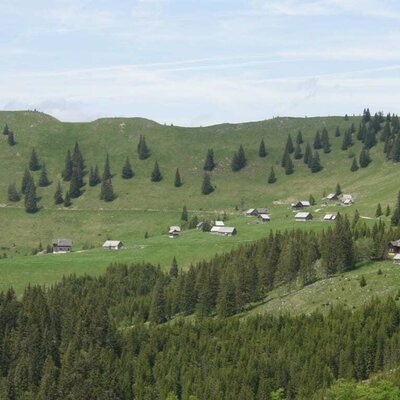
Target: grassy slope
144,206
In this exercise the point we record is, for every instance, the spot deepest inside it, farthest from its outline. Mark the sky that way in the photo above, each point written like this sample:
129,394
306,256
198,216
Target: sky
199,62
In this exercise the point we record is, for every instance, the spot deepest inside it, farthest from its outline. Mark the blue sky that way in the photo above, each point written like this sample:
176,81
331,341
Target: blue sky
200,62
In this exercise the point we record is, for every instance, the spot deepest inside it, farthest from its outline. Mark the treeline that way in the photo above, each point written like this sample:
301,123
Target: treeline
73,342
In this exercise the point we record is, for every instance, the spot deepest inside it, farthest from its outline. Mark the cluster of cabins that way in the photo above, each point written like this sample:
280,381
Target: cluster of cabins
65,245
218,228
261,213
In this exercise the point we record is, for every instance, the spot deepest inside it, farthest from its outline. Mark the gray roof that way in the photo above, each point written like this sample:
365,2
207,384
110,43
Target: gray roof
264,216
331,196
262,210
395,243
62,242
222,229
302,215
112,243
397,257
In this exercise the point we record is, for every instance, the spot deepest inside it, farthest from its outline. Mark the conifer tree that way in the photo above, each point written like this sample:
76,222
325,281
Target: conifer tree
356,218
387,212
386,132
297,152
107,191
325,141
396,213
299,138
394,153
67,172
143,150
173,272
58,195
107,170
74,184
289,144
13,194
184,215
48,384
177,181
77,158
317,141
6,130
261,150
94,178
347,140
238,160
206,187
378,212
26,179
209,163
338,190
157,307
127,171
311,200
337,132
34,161
156,174
43,179
11,138
307,154
370,138
315,163
354,165
289,169
364,158
30,198
272,177
67,199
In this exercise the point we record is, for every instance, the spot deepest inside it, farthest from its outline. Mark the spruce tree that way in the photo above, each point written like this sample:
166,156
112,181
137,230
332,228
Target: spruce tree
315,163
354,165
156,174
325,141
34,161
378,212
6,131
11,138
177,181
107,191
30,198
67,199
67,172
94,177
307,154
288,165
347,140
209,163
289,144
394,153
77,158
26,179
364,158
74,184
299,138
43,179
261,150
127,171
207,187
370,138
337,132
395,219
107,170
143,150
311,200
272,177
157,306
317,141
173,272
13,194
387,212
297,152
338,190
184,215
58,195
238,160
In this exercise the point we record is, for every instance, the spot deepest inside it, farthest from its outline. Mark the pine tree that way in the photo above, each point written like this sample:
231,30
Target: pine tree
184,215
325,141
299,138
157,306
107,170
338,190
261,150
297,152
363,282
394,153
289,144
67,173
74,184
272,177
11,138
307,154
143,150
30,198
94,178
67,199
26,179
6,131
238,160
107,191
34,161
156,174
370,138
395,219
177,181
207,187
58,195
209,163
13,194
354,165
364,158
347,140
317,141
387,212
378,212
43,180
77,158
173,272
289,169
311,200
48,389
127,171
315,163
337,132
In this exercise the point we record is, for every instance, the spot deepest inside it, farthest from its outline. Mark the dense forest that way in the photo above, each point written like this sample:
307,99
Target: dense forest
128,334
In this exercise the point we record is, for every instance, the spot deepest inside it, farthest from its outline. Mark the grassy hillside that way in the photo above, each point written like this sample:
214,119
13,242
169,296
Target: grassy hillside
142,206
